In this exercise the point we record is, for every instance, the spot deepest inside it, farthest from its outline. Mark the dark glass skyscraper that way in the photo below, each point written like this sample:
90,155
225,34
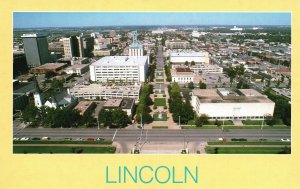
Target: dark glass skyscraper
36,49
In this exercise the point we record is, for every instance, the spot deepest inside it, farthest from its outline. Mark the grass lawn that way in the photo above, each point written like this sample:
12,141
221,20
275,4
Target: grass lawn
159,127
62,150
252,122
61,142
246,150
250,143
160,102
234,127
227,122
159,80
164,117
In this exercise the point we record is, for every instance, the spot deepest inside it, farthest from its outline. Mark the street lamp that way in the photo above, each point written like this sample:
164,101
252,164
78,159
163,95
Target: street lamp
262,125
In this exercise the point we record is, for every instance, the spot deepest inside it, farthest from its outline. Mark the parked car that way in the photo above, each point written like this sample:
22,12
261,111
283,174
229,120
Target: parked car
68,139
16,138
45,138
90,139
79,139
285,140
100,139
35,138
24,138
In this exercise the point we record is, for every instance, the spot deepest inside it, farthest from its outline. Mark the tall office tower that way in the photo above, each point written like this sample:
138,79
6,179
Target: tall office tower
88,45
36,49
73,47
135,49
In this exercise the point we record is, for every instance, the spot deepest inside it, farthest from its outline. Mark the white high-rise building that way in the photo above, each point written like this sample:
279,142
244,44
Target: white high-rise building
120,69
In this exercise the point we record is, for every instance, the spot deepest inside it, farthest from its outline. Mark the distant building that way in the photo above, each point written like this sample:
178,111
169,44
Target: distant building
157,32
78,69
112,33
19,63
56,47
36,49
177,44
229,104
49,67
206,68
120,69
101,52
236,29
126,104
79,60
73,47
61,100
135,49
182,57
98,91
84,107
182,75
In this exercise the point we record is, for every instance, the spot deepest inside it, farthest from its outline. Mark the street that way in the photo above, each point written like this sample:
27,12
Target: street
163,135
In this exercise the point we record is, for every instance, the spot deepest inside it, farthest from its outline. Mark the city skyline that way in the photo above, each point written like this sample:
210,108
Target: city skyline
89,19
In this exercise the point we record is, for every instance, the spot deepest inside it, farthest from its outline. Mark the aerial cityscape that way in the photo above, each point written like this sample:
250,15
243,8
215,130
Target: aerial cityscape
151,83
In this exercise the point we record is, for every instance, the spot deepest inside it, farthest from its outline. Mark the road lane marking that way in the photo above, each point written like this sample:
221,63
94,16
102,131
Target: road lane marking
114,135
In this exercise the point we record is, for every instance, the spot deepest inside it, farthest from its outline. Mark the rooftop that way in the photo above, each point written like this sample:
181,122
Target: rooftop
50,66
113,103
222,95
33,35
183,70
77,66
188,54
121,61
82,106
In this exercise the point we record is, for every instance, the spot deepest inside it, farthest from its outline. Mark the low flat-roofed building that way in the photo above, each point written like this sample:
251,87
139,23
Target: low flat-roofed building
126,104
98,91
49,67
177,44
182,57
85,106
206,68
77,69
79,60
229,104
101,52
182,75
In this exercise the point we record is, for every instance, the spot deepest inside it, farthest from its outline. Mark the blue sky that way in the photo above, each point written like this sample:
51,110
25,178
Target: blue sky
72,19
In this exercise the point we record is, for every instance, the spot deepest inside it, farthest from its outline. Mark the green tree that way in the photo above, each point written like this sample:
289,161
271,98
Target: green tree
30,114
49,74
193,63
186,63
201,120
105,117
119,118
202,85
191,85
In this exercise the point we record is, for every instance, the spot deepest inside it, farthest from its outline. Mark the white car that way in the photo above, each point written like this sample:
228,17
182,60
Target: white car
16,138
285,140
79,139
24,138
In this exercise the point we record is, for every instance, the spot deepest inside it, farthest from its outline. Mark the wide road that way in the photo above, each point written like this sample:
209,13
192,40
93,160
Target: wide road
160,57
163,135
